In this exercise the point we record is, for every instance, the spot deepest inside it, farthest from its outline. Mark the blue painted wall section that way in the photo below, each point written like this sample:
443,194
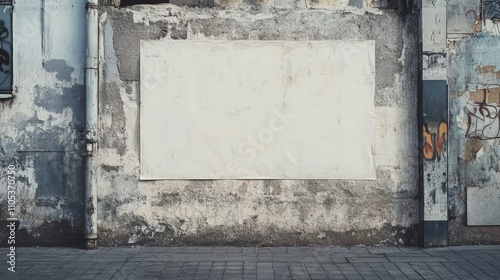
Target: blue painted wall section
42,47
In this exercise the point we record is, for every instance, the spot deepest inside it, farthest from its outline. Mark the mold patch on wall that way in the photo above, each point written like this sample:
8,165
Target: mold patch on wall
59,66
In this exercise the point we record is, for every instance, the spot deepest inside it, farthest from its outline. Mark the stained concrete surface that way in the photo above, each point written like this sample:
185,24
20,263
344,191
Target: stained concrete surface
473,162
257,212
483,206
468,262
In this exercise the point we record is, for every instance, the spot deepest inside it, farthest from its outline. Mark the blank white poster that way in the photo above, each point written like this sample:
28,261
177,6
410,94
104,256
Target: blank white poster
257,110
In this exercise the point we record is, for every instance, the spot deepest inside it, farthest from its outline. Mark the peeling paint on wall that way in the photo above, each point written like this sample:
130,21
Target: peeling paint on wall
47,116
41,127
60,67
217,212
474,145
462,16
483,119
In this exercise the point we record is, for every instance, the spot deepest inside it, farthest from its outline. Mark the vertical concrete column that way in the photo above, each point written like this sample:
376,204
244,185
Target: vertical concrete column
433,121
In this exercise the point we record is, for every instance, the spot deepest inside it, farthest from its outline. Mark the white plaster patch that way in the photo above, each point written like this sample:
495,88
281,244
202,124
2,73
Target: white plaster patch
392,139
327,4
461,15
108,61
480,153
434,29
483,206
435,190
110,157
491,27
434,74
434,67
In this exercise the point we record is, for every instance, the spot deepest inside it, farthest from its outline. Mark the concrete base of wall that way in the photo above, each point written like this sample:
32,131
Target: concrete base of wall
434,233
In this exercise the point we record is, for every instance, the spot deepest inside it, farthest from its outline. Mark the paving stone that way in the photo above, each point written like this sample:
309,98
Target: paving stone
366,259
469,262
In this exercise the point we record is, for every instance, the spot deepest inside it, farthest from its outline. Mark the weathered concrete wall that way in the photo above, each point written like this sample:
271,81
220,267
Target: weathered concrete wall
474,99
474,88
41,126
263,212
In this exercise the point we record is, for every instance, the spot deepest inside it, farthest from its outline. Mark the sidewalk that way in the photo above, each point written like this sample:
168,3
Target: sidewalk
467,262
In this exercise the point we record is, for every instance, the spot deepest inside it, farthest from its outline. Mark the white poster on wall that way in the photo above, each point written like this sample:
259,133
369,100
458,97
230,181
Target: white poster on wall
257,110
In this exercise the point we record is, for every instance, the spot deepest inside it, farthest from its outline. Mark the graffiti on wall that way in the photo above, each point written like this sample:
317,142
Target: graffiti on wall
483,120
492,9
435,141
4,54
5,48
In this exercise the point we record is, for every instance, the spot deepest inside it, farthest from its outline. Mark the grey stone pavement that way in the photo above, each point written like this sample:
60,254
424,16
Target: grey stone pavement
465,262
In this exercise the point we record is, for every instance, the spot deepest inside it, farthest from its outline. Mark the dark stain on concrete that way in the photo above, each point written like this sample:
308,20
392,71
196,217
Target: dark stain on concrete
243,188
8,145
166,199
178,33
356,3
60,67
50,175
316,186
111,104
53,233
433,196
52,139
110,168
55,138
126,41
272,187
247,235
55,101
460,234
6,103
329,202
